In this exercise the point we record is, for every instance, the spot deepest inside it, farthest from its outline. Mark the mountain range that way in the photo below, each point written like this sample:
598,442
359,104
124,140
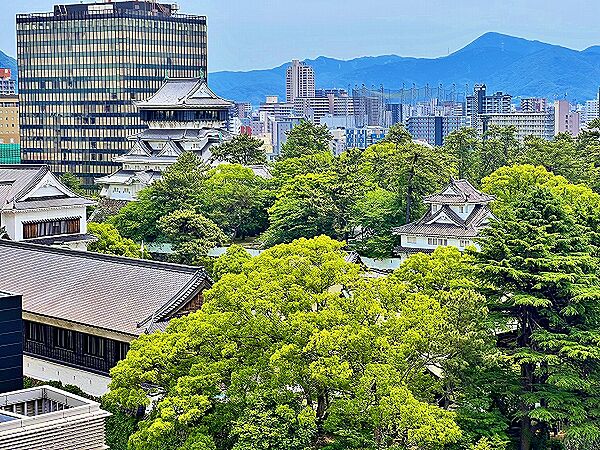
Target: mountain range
520,67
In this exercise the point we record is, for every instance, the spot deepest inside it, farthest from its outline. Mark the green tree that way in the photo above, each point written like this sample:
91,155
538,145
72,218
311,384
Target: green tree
499,147
464,146
111,242
306,139
242,149
305,207
191,234
175,191
412,170
232,261
282,357
72,182
374,216
397,135
537,266
235,199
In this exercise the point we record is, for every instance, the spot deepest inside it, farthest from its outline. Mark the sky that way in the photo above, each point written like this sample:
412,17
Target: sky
256,34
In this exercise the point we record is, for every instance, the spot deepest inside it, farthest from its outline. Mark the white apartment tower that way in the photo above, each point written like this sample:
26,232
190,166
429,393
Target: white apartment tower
300,81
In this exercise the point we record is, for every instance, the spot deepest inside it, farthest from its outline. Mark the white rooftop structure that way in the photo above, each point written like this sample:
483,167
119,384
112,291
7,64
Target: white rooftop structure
49,418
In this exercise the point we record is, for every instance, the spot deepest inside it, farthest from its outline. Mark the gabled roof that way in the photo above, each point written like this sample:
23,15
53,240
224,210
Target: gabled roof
429,224
96,290
140,148
184,93
170,150
19,184
459,191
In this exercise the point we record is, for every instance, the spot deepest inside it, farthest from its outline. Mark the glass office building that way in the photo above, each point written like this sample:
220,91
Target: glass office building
81,68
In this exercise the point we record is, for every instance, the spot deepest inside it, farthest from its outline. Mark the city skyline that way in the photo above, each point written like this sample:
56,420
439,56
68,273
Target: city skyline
385,28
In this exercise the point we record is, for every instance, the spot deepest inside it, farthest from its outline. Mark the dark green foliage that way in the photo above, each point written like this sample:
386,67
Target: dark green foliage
537,268
242,149
306,139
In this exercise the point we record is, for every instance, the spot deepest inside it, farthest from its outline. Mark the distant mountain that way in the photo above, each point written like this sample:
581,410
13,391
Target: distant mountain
505,63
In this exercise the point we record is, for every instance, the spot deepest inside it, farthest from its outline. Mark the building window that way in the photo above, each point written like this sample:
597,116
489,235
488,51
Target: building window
411,239
63,339
35,332
465,243
437,241
461,209
32,230
94,346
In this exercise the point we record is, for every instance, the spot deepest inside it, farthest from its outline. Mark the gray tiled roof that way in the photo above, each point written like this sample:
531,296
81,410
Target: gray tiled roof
184,93
461,192
17,180
102,291
460,228
63,239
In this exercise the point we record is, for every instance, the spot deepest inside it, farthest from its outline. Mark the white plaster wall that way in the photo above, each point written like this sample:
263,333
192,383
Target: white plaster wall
90,383
16,233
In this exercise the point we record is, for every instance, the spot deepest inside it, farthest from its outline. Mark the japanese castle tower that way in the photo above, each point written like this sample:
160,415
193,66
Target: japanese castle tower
183,115
455,217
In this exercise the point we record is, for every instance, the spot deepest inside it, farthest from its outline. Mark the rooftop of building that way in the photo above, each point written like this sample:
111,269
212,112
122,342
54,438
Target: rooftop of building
146,8
18,183
114,293
459,191
27,414
184,93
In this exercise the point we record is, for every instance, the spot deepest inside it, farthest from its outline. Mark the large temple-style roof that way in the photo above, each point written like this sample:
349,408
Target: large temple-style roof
446,223
24,186
459,191
121,295
184,93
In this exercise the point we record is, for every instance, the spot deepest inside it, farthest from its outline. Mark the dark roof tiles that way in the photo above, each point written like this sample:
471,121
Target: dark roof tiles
102,291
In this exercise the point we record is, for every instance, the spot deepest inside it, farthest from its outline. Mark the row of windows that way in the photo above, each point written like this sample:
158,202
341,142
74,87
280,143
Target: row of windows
438,241
59,227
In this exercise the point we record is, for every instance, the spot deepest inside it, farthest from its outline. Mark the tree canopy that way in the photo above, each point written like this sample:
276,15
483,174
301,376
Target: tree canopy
319,356
242,149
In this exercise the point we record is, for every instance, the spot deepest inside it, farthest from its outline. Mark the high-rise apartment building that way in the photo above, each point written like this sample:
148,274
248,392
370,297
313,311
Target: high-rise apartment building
10,150
480,103
434,129
534,104
539,125
82,66
300,81
7,83
565,120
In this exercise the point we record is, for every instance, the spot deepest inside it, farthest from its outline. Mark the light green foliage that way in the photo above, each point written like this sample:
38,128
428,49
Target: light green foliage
191,234
111,242
306,139
232,261
235,199
242,149
299,351
537,266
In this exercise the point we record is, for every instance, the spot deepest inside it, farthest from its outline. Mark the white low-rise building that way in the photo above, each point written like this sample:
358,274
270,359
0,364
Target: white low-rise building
36,207
455,217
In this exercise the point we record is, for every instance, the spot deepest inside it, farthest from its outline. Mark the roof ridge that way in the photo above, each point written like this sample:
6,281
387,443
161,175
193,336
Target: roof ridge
105,257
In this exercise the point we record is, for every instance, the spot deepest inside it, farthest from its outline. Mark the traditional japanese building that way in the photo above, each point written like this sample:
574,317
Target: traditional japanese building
455,217
183,115
82,309
36,207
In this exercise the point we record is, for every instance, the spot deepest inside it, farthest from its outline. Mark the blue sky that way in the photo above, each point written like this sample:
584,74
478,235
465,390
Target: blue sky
252,34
